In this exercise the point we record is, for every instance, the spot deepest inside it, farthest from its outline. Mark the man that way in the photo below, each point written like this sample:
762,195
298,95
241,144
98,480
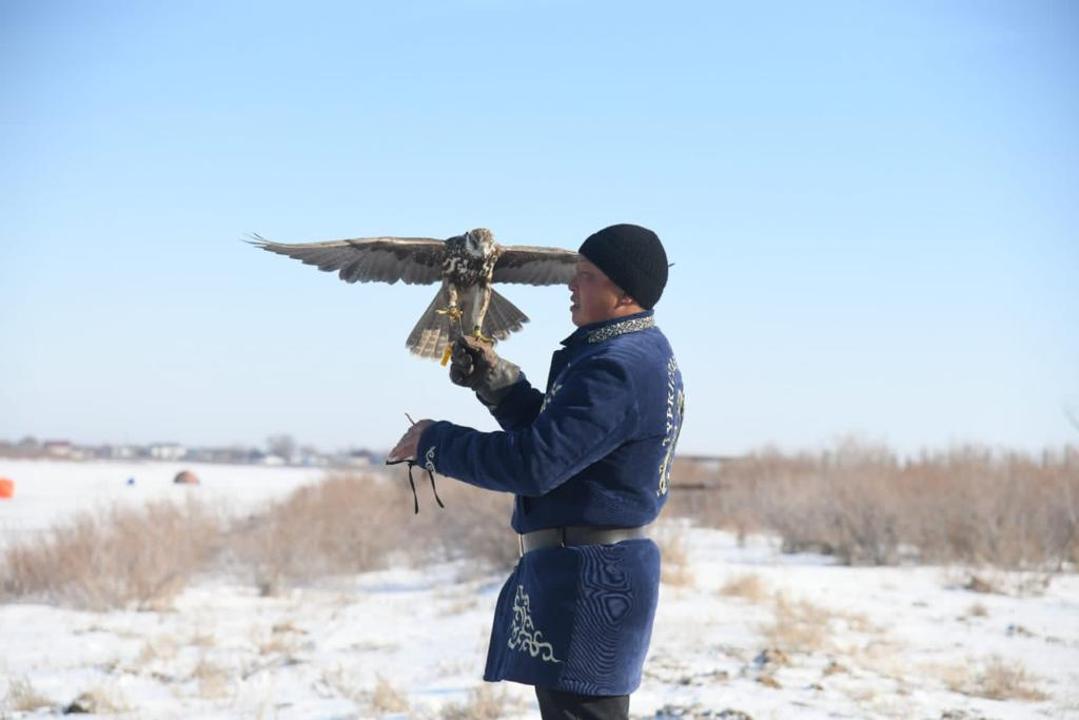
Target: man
589,462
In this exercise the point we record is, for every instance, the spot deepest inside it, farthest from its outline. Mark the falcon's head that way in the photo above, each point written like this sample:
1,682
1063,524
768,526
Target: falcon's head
479,243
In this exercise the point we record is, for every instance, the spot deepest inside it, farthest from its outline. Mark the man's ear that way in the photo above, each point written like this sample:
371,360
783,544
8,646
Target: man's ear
625,300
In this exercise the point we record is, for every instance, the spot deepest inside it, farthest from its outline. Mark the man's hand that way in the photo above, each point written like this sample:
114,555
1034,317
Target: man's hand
406,448
477,366
472,362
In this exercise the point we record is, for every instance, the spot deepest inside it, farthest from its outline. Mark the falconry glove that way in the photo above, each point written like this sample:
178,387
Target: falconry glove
475,365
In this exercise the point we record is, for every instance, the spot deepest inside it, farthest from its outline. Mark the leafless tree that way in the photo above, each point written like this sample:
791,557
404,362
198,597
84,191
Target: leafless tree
282,445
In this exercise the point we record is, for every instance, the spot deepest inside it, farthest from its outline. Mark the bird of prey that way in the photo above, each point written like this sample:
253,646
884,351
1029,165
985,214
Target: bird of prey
466,265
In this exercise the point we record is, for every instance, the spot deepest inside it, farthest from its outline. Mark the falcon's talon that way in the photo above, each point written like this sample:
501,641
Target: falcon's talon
477,334
451,311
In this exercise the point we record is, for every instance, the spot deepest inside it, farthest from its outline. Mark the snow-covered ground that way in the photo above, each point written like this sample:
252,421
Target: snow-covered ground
740,628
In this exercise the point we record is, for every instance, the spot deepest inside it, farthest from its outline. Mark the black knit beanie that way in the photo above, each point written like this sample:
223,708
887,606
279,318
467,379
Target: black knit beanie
633,258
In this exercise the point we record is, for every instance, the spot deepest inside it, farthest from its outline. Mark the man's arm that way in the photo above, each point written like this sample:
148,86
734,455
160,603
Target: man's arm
593,412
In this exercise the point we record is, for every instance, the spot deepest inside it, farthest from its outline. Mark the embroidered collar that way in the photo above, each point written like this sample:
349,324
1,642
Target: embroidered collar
607,329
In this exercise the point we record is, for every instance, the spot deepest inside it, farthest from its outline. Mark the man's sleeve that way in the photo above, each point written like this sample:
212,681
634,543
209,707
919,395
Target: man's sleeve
519,407
589,415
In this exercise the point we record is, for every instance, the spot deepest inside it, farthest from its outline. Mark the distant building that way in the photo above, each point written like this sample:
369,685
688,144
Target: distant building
166,451
117,452
58,448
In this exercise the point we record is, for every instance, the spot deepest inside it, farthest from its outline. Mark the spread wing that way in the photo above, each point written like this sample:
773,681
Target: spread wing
534,265
416,261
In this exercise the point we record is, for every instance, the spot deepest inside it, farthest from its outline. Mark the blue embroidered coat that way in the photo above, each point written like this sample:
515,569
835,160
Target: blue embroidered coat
595,450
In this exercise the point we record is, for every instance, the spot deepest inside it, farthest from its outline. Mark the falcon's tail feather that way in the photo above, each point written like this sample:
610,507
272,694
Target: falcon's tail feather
502,318
432,331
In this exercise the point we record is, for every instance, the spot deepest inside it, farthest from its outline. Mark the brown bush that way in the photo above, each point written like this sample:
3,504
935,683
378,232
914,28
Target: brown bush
386,698
675,567
864,505
993,678
120,557
355,523
474,525
748,586
345,524
22,696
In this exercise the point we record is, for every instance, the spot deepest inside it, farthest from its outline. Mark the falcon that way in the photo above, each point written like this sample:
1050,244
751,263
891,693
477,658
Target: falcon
466,265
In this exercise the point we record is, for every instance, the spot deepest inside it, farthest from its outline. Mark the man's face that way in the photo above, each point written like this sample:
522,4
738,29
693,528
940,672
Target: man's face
594,297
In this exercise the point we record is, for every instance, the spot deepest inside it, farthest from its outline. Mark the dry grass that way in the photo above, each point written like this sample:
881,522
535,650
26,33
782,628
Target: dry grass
995,581
385,698
675,568
142,557
122,557
350,524
163,647
864,505
475,525
213,680
798,626
22,696
803,626
344,524
341,680
995,679
1007,681
483,704
748,586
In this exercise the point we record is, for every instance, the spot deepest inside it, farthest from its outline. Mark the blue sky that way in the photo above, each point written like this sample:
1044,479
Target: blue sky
873,209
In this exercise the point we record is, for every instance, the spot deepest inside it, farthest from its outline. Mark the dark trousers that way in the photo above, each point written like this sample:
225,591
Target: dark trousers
556,705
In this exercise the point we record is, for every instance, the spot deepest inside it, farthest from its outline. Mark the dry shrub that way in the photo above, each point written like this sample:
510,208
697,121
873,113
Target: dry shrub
675,567
995,679
385,698
474,525
355,523
1001,681
798,626
864,505
118,557
163,647
22,696
344,524
483,704
994,581
214,681
748,586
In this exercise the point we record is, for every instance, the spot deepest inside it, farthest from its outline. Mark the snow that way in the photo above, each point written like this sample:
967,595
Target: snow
898,642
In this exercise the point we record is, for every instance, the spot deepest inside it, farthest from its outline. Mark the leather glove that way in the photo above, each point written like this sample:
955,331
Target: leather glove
475,365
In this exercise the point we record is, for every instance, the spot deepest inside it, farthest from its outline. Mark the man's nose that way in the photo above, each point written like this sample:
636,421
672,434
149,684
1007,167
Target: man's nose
573,284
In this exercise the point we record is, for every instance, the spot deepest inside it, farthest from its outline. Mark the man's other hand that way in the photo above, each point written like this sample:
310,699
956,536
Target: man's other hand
406,448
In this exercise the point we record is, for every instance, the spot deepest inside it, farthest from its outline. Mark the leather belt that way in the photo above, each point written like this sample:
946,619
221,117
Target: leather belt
576,535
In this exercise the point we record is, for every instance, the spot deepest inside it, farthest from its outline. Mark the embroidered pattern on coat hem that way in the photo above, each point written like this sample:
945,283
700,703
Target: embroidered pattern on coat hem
621,328
523,634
